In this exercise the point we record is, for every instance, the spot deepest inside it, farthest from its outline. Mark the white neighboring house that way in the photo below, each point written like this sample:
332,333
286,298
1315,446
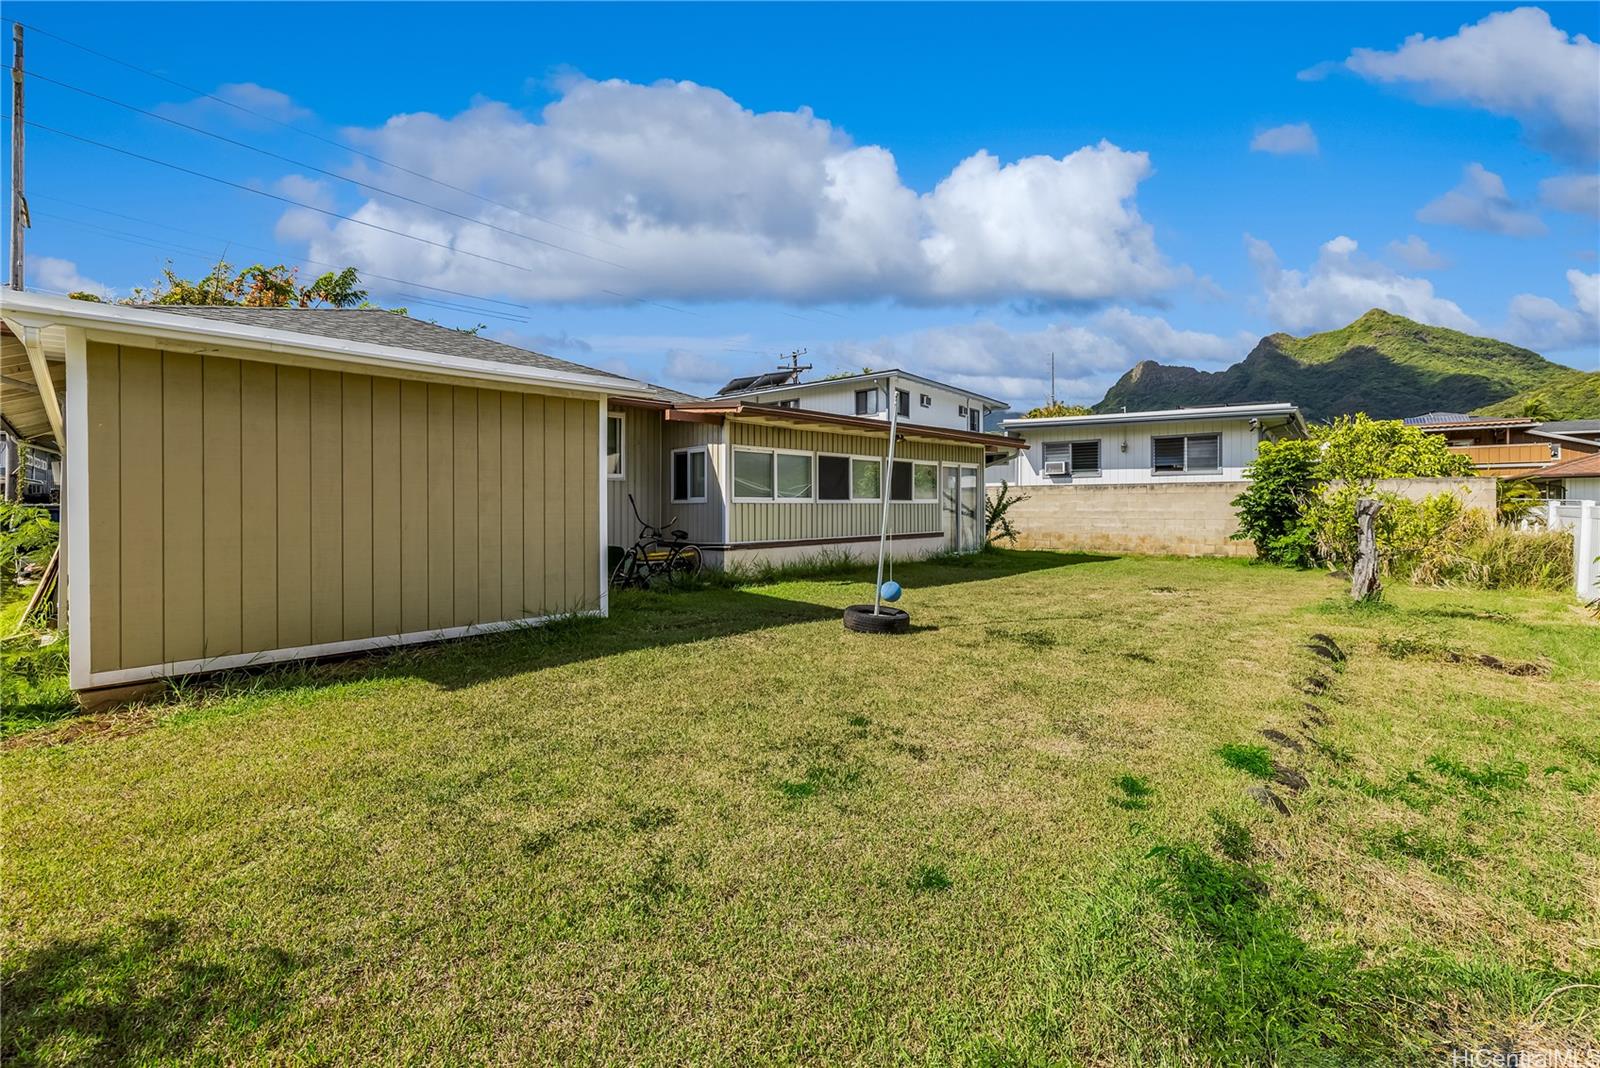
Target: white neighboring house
920,400
1178,445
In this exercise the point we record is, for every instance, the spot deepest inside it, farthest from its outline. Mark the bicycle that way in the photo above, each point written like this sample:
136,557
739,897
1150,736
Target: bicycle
654,556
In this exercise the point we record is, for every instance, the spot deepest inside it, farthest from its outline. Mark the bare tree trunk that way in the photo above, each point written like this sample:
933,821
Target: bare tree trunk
1364,583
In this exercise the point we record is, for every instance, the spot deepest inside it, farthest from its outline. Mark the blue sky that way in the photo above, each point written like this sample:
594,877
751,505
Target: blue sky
961,190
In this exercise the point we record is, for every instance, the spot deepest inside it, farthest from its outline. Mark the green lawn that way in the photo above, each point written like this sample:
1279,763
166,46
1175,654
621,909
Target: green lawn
718,829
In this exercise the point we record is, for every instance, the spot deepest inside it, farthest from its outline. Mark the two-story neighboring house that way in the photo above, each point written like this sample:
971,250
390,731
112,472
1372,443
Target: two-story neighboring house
1514,447
30,473
918,400
774,469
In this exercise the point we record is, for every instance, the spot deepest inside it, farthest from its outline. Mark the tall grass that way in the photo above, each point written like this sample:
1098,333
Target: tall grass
1498,558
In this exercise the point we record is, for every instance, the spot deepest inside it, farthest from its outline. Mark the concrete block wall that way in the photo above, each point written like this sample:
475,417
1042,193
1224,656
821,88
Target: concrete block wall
1180,519
1474,492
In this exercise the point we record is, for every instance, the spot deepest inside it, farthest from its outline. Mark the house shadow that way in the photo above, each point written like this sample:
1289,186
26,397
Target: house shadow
138,996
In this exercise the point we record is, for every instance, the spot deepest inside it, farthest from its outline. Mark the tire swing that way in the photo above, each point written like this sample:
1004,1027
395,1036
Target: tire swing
878,617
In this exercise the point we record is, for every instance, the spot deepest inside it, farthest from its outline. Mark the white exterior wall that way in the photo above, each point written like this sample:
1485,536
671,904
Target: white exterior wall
1580,489
1126,452
839,398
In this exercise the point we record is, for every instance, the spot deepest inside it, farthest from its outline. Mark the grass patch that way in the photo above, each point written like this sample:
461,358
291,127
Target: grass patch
1250,759
713,829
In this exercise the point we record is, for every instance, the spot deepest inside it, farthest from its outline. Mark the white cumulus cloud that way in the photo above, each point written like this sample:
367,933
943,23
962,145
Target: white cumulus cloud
240,103
1340,286
1417,254
1014,364
1577,193
1290,139
62,276
698,198
1513,63
1481,202
1545,325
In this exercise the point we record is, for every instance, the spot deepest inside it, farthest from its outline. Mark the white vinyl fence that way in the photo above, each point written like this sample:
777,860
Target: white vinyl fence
1583,519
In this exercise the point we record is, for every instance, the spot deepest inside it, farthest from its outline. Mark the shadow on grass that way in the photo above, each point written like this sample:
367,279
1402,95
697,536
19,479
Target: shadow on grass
134,997
639,620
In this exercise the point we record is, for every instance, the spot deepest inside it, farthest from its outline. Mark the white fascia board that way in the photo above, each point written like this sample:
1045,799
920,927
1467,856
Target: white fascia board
1170,415
874,376
38,310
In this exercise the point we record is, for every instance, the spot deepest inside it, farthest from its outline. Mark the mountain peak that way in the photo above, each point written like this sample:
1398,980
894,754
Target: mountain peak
1381,363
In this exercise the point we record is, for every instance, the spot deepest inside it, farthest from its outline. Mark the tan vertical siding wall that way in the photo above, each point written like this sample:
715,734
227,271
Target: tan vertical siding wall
644,474
702,521
763,521
238,507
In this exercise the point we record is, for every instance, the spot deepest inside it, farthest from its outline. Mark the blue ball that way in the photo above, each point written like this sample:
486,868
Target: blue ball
889,591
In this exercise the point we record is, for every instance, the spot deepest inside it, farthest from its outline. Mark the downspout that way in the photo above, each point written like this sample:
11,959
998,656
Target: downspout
884,485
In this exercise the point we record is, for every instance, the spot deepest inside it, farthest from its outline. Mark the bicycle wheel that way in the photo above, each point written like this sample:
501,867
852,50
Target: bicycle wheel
626,573
684,564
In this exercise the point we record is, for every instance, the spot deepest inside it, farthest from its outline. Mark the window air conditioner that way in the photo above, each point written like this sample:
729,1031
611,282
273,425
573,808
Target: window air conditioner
1055,467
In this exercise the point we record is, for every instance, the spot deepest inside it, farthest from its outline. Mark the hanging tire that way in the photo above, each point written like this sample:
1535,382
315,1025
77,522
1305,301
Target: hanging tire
859,618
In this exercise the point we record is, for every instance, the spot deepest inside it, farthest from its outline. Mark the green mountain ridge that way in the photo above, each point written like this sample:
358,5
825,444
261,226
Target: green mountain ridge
1383,364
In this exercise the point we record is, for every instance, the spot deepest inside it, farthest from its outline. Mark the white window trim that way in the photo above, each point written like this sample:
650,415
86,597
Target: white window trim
1073,472
914,499
622,446
1187,470
701,449
774,453
866,460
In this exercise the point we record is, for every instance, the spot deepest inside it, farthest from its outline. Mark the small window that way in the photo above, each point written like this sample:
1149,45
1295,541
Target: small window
902,403
975,419
833,478
1075,458
752,475
689,476
925,401
614,437
912,481
793,476
869,401
866,479
1178,454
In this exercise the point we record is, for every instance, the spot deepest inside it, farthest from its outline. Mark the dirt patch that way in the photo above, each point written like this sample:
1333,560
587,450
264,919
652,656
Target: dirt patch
1279,738
92,727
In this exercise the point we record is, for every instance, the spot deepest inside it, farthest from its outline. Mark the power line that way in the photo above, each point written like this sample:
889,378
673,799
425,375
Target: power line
168,247
314,136
275,252
313,167
283,199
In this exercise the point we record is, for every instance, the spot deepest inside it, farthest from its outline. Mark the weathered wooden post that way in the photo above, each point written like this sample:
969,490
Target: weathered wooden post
1364,581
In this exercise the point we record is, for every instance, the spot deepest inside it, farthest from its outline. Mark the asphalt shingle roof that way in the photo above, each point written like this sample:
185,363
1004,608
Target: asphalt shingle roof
374,326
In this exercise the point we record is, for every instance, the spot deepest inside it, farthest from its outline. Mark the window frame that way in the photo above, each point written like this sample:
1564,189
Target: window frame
1072,470
877,406
914,499
772,466
975,420
621,472
902,403
688,475
1186,469
865,460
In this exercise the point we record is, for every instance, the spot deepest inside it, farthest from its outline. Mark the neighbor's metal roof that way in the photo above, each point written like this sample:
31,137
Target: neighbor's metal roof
1165,415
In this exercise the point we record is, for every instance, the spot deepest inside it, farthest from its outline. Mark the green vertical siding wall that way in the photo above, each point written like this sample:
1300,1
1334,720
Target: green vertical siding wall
794,521
644,474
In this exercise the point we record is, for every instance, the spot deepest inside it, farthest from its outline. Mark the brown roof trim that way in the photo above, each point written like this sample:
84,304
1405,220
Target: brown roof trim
1477,424
807,416
1587,465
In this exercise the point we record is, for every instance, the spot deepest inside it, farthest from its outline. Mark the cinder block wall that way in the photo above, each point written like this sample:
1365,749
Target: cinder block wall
1181,519
1474,492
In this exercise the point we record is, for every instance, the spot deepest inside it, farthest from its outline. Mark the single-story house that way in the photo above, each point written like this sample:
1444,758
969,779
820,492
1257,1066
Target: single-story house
771,475
1512,447
249,485
246,485
1574,479
1150,482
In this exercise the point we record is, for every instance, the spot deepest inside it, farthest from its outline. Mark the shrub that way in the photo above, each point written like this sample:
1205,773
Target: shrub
996,519
1283,476
27,535
1406,530
1472,553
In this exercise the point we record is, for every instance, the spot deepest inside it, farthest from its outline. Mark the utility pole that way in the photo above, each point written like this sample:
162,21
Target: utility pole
19,204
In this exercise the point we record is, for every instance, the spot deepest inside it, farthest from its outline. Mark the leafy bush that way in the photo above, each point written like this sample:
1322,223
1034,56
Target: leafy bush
996,521
1284,475
1406,530
27,535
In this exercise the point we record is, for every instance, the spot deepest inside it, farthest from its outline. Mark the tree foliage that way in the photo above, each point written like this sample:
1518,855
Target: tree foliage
996,514
1299,507
1057,411
256,286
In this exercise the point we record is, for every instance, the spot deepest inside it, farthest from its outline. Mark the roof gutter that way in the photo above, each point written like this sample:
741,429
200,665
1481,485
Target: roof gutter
23,311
